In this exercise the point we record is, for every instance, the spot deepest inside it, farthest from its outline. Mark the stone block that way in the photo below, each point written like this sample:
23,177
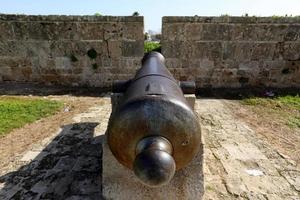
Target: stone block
173,32
45,30
270,32
112,31
61,49
119,182
207,31
244,152
37,48
14,62
193,31
131,62
114,49
132,48
224,32
62,63
180,74
292,33
12,48
6,31
191,99
172,49
209,50
263,51
240,51
173,63
133,31
258,32
291,51
90,31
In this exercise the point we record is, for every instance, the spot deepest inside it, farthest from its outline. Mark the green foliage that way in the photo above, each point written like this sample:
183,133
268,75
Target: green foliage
225,15
277,16
285,16
16,112
292,102
136,14
152,46
294,122
288,107
98,14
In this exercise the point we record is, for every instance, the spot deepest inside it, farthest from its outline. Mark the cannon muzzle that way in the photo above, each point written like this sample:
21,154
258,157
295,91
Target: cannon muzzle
154,131
154,164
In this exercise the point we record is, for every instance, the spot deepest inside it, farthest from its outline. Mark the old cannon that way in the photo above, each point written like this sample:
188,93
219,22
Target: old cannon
154,131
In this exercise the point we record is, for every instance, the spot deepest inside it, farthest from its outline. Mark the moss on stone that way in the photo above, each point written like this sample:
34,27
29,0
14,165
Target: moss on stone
285,71
92,53
73,58
95,66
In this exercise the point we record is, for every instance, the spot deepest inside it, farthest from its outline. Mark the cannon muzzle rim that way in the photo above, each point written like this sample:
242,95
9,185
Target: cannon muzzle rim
154,164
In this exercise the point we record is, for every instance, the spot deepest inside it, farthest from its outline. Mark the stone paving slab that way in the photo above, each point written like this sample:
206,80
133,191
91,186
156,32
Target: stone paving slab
237,163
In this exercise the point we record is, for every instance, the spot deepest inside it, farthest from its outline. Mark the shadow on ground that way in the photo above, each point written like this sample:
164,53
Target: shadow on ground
216,93
245,92
44,90
69,167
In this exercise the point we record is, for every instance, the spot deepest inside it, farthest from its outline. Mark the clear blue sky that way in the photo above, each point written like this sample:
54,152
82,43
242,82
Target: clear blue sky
152,10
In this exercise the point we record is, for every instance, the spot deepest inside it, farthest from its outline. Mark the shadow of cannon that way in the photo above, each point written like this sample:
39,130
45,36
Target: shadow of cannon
69,167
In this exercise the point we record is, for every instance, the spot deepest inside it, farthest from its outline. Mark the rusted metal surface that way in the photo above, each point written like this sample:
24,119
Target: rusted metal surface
154,105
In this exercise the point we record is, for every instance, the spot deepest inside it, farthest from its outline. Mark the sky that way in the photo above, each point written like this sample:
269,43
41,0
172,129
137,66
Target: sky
152,10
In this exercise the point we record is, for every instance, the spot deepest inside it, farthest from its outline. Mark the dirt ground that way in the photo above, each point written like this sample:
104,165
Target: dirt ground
14,143
271,129
246,155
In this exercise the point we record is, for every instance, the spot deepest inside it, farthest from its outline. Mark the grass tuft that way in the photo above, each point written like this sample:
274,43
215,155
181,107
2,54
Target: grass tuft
16,112
287,107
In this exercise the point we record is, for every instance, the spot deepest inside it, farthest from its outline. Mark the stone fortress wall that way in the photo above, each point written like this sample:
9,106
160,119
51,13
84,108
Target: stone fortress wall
93,51
69,50
233,52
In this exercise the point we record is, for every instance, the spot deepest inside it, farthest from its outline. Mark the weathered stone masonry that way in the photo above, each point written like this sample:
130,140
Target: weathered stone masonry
233,52
69,50
216,52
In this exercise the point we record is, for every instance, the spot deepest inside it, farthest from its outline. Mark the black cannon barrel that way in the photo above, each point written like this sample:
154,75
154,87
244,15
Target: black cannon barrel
154,131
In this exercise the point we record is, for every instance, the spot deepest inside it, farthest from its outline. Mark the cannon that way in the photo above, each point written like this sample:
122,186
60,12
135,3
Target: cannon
154,131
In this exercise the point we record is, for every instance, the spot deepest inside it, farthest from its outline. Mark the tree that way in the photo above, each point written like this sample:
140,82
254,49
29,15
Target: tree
146,36
97,14
136,14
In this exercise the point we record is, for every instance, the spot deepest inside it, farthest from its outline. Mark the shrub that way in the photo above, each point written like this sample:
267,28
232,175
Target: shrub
152,46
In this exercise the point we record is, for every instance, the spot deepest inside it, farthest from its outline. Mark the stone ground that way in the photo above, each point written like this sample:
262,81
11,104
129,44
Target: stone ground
238,163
